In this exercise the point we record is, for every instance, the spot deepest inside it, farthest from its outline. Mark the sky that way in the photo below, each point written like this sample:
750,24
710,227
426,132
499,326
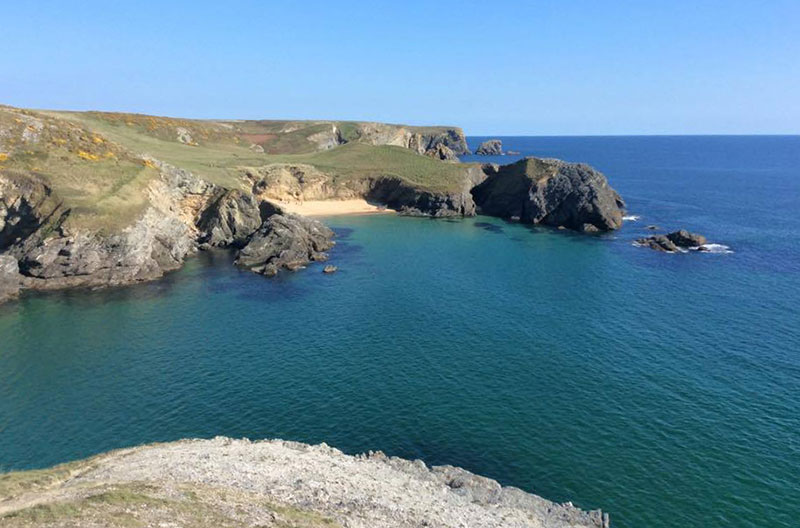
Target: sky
494,68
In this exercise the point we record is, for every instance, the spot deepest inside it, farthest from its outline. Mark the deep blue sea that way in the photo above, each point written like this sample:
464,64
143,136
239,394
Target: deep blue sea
662,388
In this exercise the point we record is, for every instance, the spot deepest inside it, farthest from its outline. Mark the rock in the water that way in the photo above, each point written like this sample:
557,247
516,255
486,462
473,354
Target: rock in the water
9,278
442,152
652,227
658,243
551,192
285,241
673,242
684,238
330,269
491,147
230,219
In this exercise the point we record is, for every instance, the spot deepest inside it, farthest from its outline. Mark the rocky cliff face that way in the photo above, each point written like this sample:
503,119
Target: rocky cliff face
42,251
551,192
491,147
285,241
224,482
419,139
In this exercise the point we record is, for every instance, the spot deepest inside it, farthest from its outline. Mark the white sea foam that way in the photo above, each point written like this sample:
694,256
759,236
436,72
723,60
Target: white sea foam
631,218
714,248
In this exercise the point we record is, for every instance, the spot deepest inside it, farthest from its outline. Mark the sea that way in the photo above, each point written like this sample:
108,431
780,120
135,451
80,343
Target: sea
662,388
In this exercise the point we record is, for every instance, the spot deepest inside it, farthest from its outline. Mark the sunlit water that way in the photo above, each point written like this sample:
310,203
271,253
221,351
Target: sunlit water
663,388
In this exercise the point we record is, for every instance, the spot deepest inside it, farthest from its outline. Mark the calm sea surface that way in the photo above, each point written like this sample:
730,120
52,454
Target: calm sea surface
663,388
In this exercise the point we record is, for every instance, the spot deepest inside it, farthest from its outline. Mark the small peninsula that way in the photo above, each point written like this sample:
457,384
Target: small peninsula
271,483
96,199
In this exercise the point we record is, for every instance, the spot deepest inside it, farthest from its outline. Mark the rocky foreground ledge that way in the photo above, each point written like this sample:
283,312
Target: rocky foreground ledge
224,482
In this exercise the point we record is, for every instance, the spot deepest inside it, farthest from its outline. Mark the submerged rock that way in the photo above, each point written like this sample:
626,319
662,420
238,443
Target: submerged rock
672,242
285,241
491,147
330,269
551,192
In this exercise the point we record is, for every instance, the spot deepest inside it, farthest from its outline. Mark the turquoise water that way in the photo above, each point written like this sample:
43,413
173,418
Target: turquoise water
663,388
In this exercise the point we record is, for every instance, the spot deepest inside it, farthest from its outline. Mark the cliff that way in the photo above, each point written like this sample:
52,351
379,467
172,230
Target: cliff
224,482
97,199
553,193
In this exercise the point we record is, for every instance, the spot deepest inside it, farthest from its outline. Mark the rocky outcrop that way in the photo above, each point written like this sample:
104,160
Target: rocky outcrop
273,483
230,219
550,192
9,278
26,205
414,201
418,139
442,152
285,241
673,242
491,147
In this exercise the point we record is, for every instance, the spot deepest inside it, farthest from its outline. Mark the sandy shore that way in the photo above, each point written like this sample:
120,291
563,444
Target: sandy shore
333,207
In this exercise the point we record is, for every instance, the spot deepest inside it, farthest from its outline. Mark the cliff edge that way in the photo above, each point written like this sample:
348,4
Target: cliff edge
224,482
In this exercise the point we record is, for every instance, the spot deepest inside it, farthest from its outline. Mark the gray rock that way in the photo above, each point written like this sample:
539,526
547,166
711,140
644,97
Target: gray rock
230,219
672,242
9,278
658,243
686,239
413,201
442,152
652,227
551,192
285,241
491,147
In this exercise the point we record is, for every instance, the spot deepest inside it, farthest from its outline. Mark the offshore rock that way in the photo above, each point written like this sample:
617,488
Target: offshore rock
285,241
550,192
491,147
673,242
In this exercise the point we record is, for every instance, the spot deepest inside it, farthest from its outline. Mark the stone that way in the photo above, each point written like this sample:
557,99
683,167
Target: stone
442,152
9,278
673,242
686,239
491,147
553,193
330,269
285,241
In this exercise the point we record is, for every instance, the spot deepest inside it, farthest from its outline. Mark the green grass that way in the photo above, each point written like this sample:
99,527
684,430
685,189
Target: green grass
93,161
222,162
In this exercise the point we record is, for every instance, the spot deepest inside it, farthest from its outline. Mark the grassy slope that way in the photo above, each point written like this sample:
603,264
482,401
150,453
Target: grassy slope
100,181
220,153
94,161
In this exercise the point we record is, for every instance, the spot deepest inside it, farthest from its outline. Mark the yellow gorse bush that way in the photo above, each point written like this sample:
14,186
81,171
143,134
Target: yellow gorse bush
3,156
88,156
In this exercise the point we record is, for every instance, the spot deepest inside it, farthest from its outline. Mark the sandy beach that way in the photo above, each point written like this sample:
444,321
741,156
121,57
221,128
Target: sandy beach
333,207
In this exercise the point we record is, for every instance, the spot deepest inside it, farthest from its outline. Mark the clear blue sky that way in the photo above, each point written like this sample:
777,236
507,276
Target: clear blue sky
537,67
